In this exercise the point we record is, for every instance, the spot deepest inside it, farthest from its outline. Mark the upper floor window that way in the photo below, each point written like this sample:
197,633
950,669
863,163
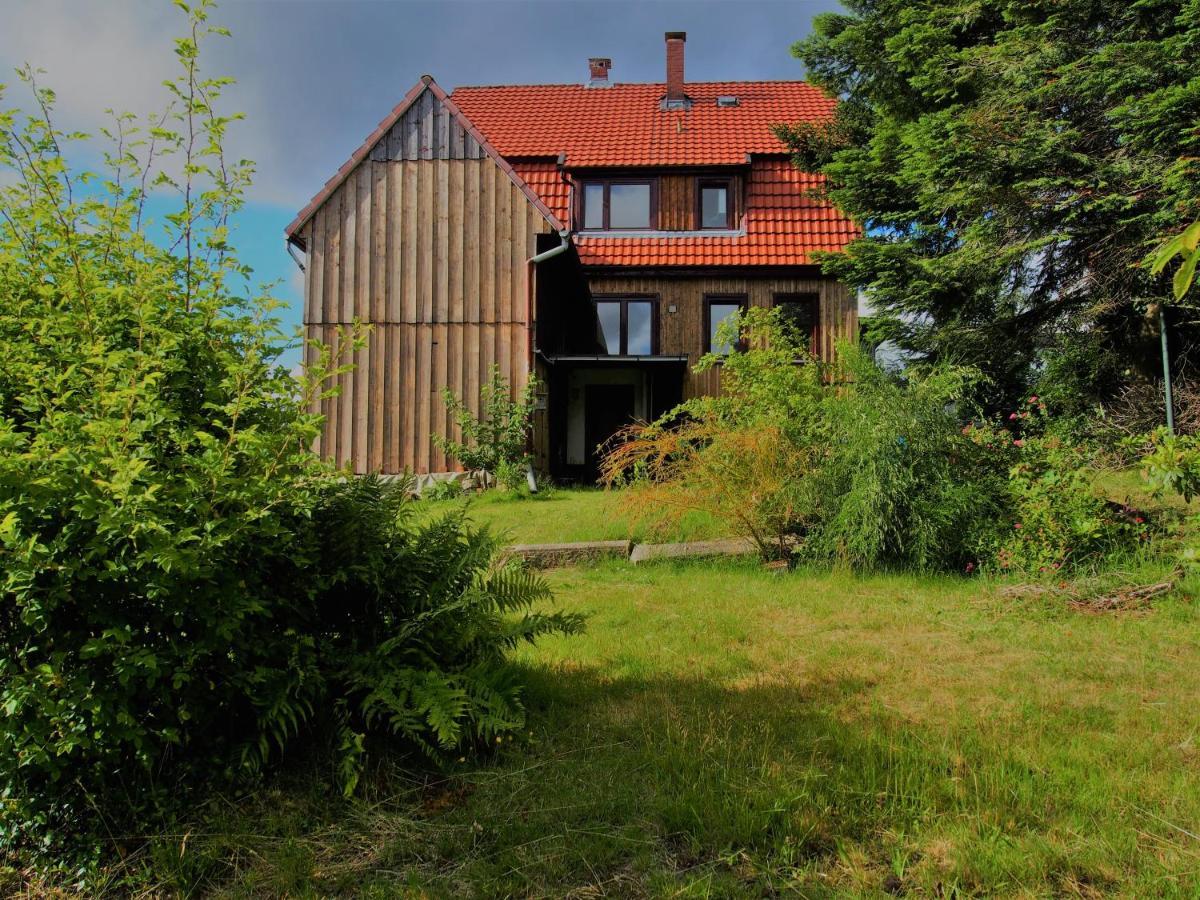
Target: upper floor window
802,313
716,208
718,308
627,325
618,204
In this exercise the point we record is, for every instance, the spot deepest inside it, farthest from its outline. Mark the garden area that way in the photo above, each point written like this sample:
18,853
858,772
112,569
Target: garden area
960,658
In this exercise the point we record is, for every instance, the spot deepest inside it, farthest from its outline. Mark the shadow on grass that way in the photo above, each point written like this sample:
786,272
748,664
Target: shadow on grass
651,786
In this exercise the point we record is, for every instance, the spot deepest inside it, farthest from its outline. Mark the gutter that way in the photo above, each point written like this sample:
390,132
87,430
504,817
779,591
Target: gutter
292,253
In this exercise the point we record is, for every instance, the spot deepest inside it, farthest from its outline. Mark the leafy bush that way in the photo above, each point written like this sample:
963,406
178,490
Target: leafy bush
450,489
852,466
1173,463
185,588
845,465
493,442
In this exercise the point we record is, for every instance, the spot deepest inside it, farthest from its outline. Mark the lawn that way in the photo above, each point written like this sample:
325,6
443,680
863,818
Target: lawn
557,515
725,731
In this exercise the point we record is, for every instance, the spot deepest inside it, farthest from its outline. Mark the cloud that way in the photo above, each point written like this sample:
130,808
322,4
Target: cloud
116,55
96,55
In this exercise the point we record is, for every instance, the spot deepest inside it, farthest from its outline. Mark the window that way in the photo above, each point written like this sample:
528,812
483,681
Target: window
718,308
716,210
617,204
802,312
627,325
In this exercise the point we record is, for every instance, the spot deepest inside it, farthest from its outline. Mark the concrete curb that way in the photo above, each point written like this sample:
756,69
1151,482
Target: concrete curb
693,550
546,556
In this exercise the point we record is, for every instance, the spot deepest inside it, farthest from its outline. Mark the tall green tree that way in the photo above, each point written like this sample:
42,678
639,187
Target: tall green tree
1013,163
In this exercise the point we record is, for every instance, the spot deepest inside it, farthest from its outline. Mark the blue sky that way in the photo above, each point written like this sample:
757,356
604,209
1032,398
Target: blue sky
314,77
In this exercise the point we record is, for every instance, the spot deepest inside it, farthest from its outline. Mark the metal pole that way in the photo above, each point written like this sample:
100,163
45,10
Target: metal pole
1166,363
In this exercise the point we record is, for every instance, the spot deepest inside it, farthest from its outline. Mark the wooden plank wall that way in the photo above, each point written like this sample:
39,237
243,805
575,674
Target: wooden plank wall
426,131
677,201
431,253
682,332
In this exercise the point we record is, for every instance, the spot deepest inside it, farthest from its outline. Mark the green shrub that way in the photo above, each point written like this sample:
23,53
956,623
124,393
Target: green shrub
450,489
185,589
1172,463
852,466
494,440
846,465
1055,520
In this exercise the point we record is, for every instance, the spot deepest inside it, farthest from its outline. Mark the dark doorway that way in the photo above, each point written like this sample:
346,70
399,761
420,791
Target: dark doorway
607,408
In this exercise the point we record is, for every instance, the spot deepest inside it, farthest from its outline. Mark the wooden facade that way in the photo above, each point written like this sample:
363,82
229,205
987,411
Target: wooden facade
682,327
424,236
426,240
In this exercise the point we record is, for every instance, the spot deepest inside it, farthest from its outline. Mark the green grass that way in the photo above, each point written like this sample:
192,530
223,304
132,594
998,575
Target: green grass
558,515
723,731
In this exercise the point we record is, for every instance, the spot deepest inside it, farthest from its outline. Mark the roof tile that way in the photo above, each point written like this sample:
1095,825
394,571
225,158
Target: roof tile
624,126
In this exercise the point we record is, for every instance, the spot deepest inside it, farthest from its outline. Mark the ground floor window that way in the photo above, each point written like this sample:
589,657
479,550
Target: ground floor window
718,308
802,313
627,325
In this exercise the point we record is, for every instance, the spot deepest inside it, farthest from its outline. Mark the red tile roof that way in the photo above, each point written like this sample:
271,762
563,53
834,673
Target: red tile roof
624,126
783,227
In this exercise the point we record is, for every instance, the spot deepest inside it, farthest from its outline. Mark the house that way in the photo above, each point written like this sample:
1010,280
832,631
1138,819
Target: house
592,233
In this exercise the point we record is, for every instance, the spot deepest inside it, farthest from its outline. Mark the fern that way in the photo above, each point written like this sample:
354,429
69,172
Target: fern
426,620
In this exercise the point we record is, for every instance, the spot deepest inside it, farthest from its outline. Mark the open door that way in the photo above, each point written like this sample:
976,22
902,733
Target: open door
607,408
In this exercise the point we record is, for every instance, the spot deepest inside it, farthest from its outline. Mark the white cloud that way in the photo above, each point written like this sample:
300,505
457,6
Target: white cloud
116,55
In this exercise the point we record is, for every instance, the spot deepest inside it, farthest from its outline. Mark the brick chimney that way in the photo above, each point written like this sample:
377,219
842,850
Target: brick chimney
675,97
598,67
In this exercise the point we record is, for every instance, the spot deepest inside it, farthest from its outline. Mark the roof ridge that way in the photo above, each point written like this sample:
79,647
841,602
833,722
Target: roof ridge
617,84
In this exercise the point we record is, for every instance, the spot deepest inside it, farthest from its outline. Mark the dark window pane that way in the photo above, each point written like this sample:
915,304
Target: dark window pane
610,326
641,328
714,210
629,206
593,206
718,313
800,314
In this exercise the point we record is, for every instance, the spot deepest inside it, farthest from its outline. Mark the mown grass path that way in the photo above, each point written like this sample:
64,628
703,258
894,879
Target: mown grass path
723,731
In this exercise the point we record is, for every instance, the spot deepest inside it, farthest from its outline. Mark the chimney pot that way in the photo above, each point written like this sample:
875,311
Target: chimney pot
675,96
598,67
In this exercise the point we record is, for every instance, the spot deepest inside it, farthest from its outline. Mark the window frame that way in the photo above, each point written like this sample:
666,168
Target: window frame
814,338
625,300
607,182
742,301
724,181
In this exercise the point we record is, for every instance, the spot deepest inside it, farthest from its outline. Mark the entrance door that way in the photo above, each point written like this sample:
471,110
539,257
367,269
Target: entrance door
607,408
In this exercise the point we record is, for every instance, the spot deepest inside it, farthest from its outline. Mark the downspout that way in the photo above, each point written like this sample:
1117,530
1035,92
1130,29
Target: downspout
530,324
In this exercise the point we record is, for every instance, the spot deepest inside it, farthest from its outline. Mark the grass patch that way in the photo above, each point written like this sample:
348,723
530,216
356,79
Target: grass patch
576,514
722,731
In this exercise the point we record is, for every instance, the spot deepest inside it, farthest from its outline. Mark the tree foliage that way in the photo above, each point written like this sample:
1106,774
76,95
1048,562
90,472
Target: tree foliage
185,590
1013,163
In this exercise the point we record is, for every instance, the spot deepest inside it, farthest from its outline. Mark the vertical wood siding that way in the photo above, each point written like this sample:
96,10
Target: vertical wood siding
682,332
678,199
431,252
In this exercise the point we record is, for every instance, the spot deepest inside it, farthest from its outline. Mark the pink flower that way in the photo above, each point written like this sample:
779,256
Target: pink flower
1017,526
1139,520
1033,399
1011,416
1018,443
